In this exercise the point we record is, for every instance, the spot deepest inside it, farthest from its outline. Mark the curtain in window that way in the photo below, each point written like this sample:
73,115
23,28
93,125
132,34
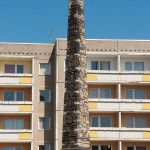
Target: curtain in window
9,68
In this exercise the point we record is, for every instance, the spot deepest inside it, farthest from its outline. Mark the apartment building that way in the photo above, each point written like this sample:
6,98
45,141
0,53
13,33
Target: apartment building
118,78
27,88
32,92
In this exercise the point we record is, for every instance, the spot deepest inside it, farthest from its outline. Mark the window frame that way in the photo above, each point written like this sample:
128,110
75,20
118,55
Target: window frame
49,126
134,147
99,121
101,64
44,145
133,93
15,67
45,74
133,65
15,96
50,95
99,146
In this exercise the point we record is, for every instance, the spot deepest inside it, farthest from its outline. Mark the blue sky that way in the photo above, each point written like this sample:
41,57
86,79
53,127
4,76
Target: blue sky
33,20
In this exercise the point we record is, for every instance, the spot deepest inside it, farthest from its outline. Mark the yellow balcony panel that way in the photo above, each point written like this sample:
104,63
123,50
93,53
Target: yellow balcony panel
24,136
146,135
92,105
25,80
93,134
146,106
91,77
146,78
25,108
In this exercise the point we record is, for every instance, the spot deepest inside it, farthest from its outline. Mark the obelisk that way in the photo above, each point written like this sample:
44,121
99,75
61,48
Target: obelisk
76,116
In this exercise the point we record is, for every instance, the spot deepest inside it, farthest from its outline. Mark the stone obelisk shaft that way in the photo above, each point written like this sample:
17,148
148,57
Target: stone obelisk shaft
76,115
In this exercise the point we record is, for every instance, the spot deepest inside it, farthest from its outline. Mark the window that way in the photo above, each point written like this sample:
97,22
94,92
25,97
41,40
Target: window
95,93
101,147
13,124
136,122
95,65
14,68
45,95
134,66
104,65
100,65
12,148
44,147
101,93
44,123
136,148
104,121
45,69
135,94
14,96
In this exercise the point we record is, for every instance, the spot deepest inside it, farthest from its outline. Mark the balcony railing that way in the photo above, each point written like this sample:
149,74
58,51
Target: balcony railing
119,105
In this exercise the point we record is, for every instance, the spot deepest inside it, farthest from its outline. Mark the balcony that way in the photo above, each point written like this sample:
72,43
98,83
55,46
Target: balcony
98,134
15,135
117,78
96,105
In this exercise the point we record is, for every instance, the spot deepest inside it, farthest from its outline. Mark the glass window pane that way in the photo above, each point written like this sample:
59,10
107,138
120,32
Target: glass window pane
7,148
105,93
130,148
19,96
129,122
44,123
128,66
8,124
45,69
94,93
140,148
19,123
95,147
41,147
94,121
105,147
20,69
18,148
104,65
95,65
45,95
139,66
105,121
47,146
129,94
8,96
140,122
9,68
139,94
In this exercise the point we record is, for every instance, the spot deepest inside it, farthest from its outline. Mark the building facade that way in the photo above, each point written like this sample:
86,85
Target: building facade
32,92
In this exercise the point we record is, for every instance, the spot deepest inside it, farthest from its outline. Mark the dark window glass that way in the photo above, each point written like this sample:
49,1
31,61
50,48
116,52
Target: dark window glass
20,69
130,148
105,122
105,147
139,66
140,148
94,121
129,94
41,147
95,147
9,68
44,95
128,66
95,65
19,96
139,94
8,96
